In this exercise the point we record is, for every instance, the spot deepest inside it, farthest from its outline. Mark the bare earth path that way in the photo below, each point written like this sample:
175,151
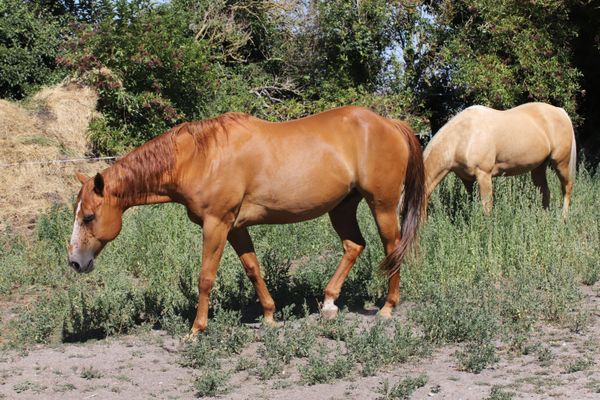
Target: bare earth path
146,366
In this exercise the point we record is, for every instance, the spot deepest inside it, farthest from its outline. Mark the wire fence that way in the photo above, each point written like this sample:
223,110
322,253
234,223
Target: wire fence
61,161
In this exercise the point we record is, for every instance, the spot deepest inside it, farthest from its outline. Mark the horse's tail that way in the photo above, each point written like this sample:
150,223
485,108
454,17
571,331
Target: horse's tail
414,200
573,159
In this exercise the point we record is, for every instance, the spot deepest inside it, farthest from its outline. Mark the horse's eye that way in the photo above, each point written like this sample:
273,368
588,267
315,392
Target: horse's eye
88,218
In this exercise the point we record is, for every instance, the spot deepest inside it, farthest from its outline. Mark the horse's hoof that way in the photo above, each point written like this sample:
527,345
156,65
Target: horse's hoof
385,313
191,337
329,311
270,322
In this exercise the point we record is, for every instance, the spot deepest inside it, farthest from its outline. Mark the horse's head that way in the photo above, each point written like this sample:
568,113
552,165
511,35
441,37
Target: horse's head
97,222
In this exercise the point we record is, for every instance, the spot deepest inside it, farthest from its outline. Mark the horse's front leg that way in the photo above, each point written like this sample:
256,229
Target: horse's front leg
214,236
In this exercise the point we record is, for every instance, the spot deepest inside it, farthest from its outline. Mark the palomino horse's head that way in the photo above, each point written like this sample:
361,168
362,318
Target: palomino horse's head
97,222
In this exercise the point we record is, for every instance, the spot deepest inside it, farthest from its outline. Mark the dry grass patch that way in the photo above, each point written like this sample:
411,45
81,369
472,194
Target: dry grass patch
52,125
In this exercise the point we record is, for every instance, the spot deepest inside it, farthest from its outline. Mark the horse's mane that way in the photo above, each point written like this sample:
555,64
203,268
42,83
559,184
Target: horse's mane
144,168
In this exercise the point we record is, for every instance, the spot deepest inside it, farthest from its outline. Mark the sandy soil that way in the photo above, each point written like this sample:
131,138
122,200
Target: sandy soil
146,365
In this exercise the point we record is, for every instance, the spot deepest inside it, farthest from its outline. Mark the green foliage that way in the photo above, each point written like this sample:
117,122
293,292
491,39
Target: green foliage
211,382
502,54
90,373
477,355
403,389
224,337
382,345
322,369
148,69
29,44
497,393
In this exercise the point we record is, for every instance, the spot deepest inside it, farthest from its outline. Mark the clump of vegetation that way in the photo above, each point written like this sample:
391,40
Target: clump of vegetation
211,382
403,389
90,373
323,366
497,393
223,338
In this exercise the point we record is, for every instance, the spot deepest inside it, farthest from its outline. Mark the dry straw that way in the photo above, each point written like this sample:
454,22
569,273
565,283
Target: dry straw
52,125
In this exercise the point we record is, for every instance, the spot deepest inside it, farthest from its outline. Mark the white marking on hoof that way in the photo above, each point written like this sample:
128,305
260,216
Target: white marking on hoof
329,310
190,338
385,313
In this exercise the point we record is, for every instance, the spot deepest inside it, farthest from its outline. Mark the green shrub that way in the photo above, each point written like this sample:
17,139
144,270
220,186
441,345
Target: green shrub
403,389
211,382
29,43
323,366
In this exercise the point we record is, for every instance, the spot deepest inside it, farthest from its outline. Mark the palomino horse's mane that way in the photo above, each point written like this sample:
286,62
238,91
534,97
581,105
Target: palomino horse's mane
147,166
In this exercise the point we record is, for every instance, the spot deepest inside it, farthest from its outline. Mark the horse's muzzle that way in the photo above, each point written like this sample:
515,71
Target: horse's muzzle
82,268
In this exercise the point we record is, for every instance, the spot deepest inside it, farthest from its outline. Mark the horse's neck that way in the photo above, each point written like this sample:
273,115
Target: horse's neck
156,192
144,176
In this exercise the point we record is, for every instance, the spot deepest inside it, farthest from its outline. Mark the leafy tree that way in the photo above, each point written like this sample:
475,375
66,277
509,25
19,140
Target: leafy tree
29,42
499,54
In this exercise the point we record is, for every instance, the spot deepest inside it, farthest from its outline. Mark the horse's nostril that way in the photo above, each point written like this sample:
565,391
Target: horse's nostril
75,265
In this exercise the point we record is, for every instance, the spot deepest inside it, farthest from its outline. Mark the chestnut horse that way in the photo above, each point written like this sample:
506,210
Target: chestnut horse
236,170
480,143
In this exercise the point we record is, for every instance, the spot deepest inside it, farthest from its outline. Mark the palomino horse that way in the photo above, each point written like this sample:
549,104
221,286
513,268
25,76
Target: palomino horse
235,171
480,143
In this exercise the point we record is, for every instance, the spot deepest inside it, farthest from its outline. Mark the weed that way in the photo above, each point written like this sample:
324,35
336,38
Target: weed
545,356
403,389
65,387
212,382
497,393
90,373
245,364
28,385
321,368
477,355
337,328
580,364
225,336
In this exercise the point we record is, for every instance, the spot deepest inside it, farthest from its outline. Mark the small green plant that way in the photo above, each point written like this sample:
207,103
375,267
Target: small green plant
477,355
403,389
212,382
224,336
90,373
580,364
28,385
324,367
245,363
65,387
382,344
545,356
497,393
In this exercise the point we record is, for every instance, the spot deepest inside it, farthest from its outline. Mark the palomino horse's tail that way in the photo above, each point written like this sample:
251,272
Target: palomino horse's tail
414,200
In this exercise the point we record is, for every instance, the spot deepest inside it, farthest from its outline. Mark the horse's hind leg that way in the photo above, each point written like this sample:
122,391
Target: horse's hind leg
538,176
386,217
566,183
343,219
484,179
242,244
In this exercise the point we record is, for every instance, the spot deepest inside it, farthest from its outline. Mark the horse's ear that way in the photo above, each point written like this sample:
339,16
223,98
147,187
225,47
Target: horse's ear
81,177
98,184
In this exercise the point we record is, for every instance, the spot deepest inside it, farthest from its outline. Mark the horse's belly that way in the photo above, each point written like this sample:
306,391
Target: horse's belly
289,206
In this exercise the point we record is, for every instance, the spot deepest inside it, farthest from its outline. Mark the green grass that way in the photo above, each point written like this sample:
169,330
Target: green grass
475,280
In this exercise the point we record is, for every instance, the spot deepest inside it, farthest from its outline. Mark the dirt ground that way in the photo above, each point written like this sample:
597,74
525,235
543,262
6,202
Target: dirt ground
146,365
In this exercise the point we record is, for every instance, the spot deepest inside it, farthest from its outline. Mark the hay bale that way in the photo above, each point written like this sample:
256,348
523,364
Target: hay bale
52,125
